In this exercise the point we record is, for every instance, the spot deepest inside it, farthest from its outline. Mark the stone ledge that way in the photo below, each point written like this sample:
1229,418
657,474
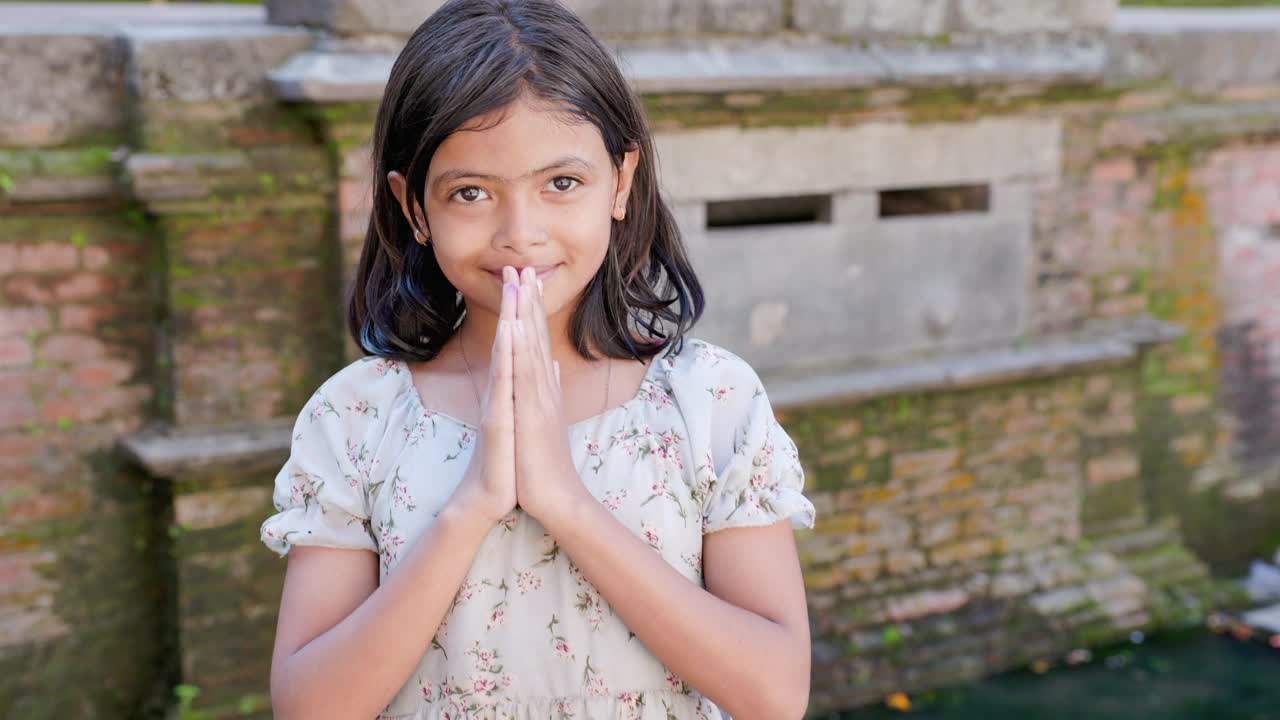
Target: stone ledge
332,77
167,453
76,18
719,66
1102,343
1190,124
1200,49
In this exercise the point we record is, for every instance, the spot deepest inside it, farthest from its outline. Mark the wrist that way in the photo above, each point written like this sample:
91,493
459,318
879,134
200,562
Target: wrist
467,507
564,507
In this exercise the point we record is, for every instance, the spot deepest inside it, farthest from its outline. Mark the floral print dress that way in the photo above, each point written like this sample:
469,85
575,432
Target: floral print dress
696,450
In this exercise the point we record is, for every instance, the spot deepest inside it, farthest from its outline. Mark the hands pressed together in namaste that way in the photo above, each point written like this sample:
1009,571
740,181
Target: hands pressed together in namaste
522,453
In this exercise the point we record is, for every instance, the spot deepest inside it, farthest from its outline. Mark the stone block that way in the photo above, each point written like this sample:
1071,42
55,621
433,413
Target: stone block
193,65
916,18
353,17
59,87
1200,49
357,17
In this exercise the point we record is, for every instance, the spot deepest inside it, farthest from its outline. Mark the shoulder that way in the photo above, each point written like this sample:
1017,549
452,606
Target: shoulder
360,393
711,368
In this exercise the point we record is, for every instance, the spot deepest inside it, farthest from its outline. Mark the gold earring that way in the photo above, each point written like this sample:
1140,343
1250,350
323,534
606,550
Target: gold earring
421,240
620,215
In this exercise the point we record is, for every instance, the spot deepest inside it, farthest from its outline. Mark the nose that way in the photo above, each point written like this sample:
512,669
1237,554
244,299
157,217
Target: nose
520,226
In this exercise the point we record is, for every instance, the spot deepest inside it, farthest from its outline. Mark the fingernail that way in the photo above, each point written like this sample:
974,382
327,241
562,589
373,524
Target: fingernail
508,290
539,286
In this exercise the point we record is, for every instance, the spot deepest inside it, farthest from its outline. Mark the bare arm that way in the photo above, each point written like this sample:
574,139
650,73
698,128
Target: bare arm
345,646
743,641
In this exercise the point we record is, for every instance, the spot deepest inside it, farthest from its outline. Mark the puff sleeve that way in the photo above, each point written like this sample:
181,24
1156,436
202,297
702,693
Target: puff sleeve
758,479
320,492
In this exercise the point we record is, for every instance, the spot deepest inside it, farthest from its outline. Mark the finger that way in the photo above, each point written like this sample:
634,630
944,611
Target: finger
557,366
501,401
531,356
507,309
520,368
540,319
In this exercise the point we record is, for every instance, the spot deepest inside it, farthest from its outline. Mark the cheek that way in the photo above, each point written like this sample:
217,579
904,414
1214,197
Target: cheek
459,251
583,249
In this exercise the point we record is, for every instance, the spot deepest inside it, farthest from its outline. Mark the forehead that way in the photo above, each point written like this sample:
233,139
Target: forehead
519,137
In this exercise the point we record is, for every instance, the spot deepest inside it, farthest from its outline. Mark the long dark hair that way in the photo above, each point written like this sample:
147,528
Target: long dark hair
473,57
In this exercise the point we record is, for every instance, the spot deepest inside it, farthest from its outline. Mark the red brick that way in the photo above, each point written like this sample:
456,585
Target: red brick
20,444
28,290
63,408
47,257
45,505
22,319
104,374
925,462
72,348
1118,170
84,285
96,257
18,572
16,410
15,351
1188,404
1117,466
8,258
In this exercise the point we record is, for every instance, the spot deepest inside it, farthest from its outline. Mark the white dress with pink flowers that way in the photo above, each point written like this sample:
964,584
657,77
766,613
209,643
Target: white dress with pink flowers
696,450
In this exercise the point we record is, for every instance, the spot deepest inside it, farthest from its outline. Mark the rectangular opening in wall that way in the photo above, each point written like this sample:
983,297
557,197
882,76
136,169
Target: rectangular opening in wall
940,200
769,211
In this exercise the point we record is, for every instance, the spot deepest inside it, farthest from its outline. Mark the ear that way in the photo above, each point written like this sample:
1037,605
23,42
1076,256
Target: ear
399,187
630,159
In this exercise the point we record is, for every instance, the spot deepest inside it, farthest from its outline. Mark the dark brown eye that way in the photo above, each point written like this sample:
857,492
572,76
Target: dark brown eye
559,183
472,194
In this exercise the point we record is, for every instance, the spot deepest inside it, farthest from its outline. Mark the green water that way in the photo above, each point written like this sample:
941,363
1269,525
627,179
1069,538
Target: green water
1193,674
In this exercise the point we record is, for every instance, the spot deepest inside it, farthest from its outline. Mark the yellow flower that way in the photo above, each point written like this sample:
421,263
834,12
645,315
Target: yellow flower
898,701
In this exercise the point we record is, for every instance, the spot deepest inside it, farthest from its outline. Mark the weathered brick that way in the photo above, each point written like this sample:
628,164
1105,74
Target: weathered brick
15,351
1189,404
47,257
96,257
961,551
8,258
925,462
939,531
21,320
1119,465
215,508
82,286
99,375
905,562
72,348
905,608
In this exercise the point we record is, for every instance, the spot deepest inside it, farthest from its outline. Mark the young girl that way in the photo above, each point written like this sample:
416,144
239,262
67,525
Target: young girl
535,497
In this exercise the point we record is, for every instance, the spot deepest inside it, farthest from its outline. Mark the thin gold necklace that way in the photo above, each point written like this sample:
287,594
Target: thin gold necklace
608,379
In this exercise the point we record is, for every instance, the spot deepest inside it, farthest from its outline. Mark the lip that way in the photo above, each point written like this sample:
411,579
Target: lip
542,270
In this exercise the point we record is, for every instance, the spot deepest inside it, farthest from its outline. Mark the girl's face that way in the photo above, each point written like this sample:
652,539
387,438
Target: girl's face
536,190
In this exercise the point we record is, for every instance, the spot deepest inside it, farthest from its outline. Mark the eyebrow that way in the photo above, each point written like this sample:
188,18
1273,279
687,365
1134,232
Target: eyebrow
566,161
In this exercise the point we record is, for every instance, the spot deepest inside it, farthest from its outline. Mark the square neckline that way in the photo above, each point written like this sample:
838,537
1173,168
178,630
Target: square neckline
639,395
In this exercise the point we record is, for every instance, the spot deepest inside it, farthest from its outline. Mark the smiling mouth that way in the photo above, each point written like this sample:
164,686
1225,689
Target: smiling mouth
542,273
